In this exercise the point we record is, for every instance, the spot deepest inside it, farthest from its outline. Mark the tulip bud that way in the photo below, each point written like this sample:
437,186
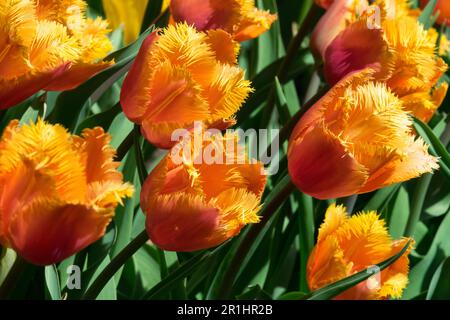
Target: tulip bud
347,245
48,47
356,139
202,193
58,192
181,76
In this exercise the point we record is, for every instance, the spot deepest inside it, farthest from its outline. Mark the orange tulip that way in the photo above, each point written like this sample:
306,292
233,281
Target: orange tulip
193,203
49,45
180,76
347,245
238,17
387,49
443,7
356,139
58,192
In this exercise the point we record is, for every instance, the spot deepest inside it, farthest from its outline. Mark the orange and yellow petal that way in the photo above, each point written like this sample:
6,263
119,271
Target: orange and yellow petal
253,23
47,231
321,166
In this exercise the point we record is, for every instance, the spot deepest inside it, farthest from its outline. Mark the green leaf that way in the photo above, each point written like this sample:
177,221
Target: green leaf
426,17
184,270
440,283
52,282
399,214
340,286
254,293
296,295
380,197
7,258
103,119
440,150
423,270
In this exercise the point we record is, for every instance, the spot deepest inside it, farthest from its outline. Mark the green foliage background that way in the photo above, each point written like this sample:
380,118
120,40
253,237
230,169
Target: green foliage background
266,261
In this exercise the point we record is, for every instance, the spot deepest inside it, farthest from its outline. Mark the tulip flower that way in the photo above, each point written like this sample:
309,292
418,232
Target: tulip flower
238,17
193,202
387,49
180,76
443,8
129,14
58,192
347,245
356,139
47,45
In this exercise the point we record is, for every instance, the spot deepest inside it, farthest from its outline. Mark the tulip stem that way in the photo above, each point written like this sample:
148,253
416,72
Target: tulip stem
125,146
12,278
306,236
267,212
418,199
116,263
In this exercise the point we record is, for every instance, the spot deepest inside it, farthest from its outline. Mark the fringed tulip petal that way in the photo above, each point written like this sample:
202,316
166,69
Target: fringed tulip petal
207,14
347,245
58,192
41,38
224,46
253,23
239,18
356,48
181,76
355,140
338,16
194,199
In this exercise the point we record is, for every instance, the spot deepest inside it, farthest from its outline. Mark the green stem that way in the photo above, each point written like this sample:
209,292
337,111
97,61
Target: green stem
125,146
12,278
142,172
306,236
116,263
140,162
243,249
418,199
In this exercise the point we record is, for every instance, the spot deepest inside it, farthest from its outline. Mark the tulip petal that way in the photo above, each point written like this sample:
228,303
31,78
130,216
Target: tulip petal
182,223
334,218
396,275
322,167
20,187
224,46
227,92
50,149
47,231
356,48
364,239
15,91
77,74
135,95
207,14
326,264
414,162
335,20
254,23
